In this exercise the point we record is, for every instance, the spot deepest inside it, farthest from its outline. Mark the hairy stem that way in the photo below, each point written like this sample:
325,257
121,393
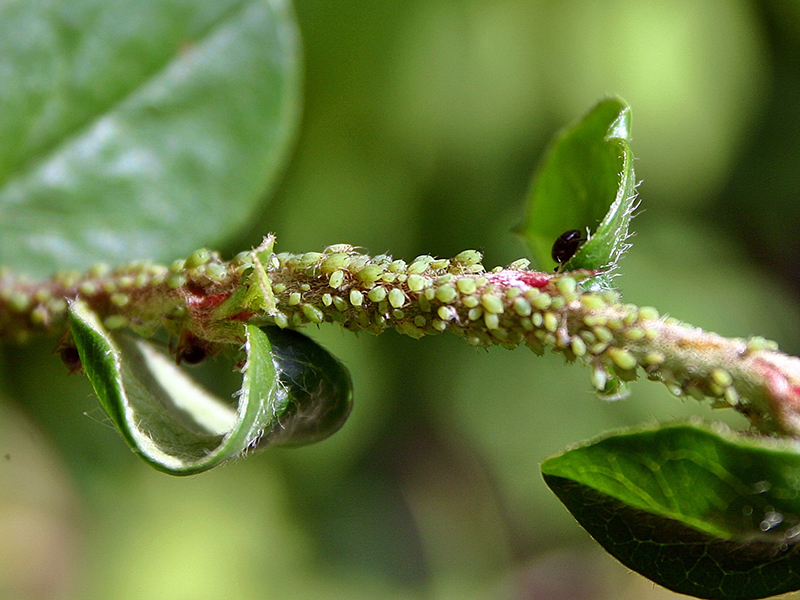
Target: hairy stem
207,299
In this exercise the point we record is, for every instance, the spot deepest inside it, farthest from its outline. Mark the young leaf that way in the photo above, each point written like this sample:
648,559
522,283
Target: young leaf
586,183
289,396
124,122
699,510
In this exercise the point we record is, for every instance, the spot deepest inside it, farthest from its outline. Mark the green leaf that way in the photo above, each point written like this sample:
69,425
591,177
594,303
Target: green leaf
585,183
139,129
293,393
700,510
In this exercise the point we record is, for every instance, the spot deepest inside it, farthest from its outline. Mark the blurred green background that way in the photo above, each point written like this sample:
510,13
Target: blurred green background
423,122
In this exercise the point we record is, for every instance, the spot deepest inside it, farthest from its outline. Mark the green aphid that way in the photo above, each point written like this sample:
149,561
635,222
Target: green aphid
521,264
557,302
439,325
423,303
429,293
420,321
340,303
541,302
87,288
216,272
370,274
721,377
475,313
357,263
417,267
417,283
492,320
567,287
446,293
410,330
440,264
466,285
336,279
120,299
603,334
278,288
102,269
339,249
550,321
499,332
313,314
599,377
654,358
39,315
310,259
398,266
295,298
57,306
334,262
622,358
446,278
115,322
470,301
578,346
377,294
141,280
356,298
527,323
197,258
398,314
537,319
446,313
492,304
468,257
592,302
281,320
389,277
634,334
648,313
327,299
397,298
732,396
176,280
304,287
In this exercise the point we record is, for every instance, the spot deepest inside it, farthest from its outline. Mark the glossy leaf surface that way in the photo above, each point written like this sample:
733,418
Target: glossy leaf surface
290,395
124,122
586,183
702,511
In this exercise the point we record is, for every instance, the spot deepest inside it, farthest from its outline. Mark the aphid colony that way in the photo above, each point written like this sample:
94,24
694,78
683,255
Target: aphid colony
505,306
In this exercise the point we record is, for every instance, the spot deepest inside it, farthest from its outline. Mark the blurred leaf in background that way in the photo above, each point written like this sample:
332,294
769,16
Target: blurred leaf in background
423,123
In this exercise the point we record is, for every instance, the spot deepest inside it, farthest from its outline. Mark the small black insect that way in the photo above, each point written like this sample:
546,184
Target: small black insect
566,246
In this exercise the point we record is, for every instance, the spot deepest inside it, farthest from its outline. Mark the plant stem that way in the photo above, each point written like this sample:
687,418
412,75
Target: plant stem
208,298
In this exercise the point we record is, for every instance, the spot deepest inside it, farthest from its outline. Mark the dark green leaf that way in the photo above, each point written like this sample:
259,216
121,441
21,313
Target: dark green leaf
181,429
702,511
318,390
585,183
139,129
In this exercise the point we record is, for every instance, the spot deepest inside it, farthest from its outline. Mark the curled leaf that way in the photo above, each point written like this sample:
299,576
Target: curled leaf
586,185
293,392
